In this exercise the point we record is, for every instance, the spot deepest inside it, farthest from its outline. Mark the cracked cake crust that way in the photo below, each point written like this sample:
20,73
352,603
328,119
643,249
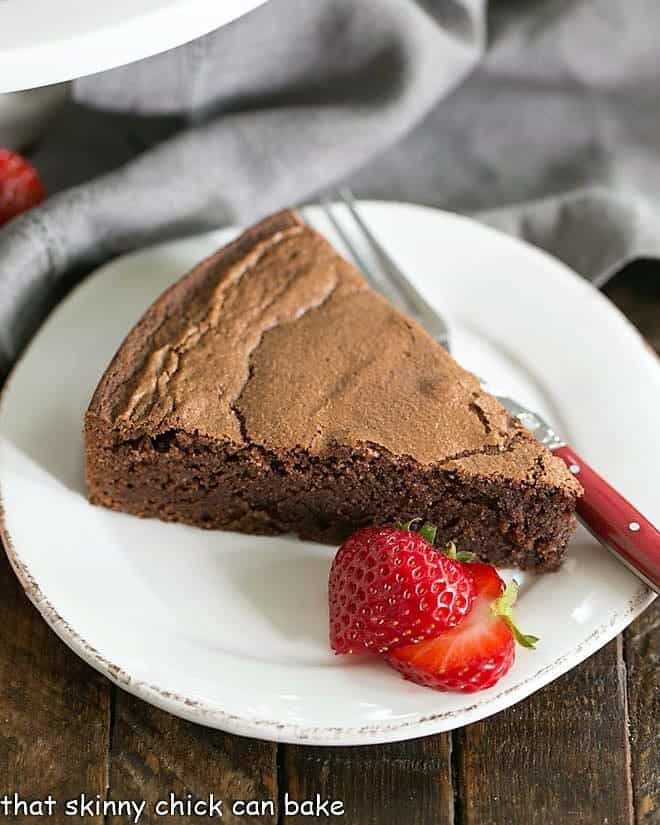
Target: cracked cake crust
271,390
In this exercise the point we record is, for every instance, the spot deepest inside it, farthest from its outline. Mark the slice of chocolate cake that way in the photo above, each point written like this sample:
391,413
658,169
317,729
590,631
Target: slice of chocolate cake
271,390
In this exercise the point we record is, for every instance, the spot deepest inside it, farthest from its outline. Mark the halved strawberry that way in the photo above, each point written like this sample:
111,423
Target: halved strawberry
390,586
475,654
20,185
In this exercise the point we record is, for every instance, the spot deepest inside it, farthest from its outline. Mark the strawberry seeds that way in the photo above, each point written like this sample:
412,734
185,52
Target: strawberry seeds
443,622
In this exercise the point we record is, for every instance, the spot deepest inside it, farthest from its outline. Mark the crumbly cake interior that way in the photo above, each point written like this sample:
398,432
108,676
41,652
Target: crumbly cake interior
270,390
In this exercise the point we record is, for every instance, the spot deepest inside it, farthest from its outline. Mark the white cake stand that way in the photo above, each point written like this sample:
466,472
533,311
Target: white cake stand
48,42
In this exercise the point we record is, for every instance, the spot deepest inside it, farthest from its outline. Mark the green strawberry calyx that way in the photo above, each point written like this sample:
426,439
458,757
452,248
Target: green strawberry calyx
503,607
429,532
458,555
418,525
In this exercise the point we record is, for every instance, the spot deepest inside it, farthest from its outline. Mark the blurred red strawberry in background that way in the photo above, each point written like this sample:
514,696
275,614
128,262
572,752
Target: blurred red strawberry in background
20,186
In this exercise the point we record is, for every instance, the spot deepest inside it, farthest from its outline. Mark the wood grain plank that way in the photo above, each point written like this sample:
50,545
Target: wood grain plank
636,291
154,753
403,782
55,710
642,655
559,758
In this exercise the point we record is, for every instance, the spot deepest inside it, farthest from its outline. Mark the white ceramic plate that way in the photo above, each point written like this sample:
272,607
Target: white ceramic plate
47,42
230,630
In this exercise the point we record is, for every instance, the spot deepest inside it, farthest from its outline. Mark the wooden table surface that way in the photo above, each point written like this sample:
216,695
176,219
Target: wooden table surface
582,750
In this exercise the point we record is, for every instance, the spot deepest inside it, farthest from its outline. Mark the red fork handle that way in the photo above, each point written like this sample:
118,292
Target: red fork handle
615,522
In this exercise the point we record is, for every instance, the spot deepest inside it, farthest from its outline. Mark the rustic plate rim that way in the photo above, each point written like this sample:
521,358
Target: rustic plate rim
273,730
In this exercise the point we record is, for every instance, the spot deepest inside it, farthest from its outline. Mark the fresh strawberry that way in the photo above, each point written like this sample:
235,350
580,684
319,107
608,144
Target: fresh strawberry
20,186
389,586
475,654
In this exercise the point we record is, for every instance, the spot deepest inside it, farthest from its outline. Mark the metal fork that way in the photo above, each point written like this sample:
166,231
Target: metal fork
605,512
408,296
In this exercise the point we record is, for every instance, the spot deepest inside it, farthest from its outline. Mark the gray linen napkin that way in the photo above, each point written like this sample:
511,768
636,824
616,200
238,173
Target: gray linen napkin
542,117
